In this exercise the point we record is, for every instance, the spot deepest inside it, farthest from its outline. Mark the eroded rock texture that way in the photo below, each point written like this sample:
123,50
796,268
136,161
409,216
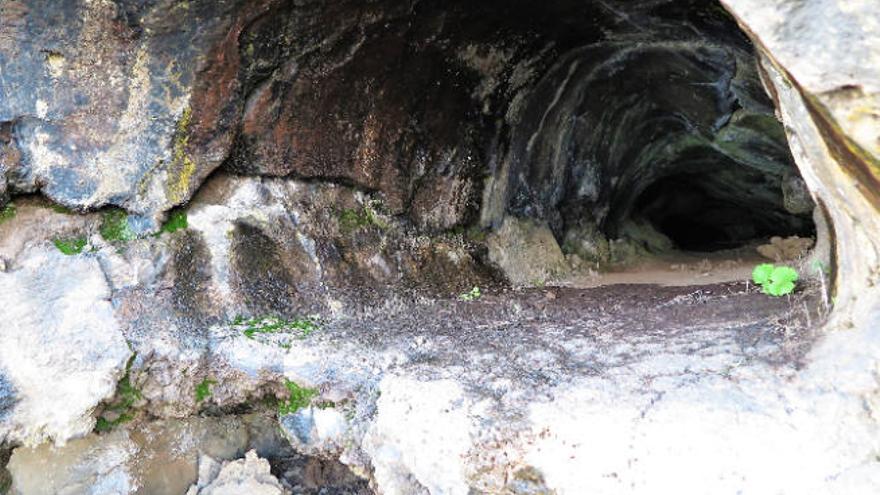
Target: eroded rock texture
371,163
571,110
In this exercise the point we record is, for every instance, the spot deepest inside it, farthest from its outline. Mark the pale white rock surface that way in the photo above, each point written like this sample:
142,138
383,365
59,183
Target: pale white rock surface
249,475
61,350
420,438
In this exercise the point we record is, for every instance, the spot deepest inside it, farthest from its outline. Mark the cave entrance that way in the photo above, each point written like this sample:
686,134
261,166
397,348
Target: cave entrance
719,210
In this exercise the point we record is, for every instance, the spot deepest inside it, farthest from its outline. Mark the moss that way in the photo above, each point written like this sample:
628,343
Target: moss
203,389
271,324
7,212
299,397
114,226
61,209
122,407
70,247
473,233
352,220
176,221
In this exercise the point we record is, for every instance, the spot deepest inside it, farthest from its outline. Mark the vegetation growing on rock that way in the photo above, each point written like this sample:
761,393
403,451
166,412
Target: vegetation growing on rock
177,220
114,226
203,389
70,246
271,324
122,409
299,398
7,212
775,280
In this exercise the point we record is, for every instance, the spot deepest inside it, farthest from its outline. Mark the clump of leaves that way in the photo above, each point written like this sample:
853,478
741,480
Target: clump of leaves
176,221
775,280
351,220
70,247
471,295
272,324
122,408
114,226
299,398
203,389
7,212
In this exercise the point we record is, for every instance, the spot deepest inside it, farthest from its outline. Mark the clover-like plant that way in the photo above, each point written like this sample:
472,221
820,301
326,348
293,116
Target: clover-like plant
471,295
775,280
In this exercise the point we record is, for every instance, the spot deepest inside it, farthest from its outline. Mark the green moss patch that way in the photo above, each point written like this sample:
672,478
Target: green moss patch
352,220
121,410
203,389
7,212
61,209
70,247
176,221
114,226
271,324
299,398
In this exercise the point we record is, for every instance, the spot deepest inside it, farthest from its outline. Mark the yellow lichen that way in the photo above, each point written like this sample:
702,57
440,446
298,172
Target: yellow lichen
182,167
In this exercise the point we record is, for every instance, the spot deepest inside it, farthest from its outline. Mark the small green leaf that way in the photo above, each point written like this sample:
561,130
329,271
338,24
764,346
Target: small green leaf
472,295
761,274
784,274
781,281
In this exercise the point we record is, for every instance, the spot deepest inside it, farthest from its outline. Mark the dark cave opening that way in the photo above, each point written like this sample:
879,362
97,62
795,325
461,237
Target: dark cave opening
698,213
659,137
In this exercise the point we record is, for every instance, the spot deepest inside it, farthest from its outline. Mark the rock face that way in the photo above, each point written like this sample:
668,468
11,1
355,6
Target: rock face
127,103
59,360
310,91
248,475
307,190
816,63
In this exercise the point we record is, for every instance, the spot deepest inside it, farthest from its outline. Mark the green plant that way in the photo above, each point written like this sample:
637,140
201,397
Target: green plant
351,220
471,295
114,226
7,212
176,221
775,280
203,389
299,397
123,403
271,324
61,209
70,247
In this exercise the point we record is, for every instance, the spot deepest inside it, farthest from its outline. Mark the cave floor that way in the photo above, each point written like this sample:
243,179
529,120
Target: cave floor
674,268
545,335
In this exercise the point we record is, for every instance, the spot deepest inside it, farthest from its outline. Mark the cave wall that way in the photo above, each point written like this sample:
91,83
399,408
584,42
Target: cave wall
819,63
373,123
449,110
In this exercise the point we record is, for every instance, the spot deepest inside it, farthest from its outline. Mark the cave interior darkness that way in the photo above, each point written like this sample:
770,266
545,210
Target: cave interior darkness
661,121
599,118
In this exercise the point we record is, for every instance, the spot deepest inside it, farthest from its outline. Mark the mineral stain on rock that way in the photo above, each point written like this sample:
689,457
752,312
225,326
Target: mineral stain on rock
446,247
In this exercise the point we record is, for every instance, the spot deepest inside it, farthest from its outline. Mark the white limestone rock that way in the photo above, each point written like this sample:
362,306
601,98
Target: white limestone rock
420,438
249,475
61,351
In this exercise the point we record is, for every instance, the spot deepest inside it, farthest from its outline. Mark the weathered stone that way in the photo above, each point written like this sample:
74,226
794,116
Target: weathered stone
58,360
249,475
130,103
816,61
525,251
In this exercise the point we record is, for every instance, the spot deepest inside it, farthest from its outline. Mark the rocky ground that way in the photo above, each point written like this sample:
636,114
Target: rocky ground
339,247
